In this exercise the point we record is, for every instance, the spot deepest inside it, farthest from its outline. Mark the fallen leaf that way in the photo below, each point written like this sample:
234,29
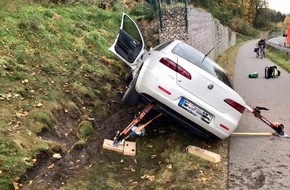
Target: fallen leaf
25,81
203,179
169,166
134,160
22,114
151,178
126,169
15,185
56,155
39,105
34,160
51,166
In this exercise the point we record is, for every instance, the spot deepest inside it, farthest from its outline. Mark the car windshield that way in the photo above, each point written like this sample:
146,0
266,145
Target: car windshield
190,54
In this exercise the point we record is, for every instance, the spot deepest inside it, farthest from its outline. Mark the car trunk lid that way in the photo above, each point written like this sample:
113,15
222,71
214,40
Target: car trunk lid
207,88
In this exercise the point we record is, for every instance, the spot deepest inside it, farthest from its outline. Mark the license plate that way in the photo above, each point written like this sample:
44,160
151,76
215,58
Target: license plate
195,110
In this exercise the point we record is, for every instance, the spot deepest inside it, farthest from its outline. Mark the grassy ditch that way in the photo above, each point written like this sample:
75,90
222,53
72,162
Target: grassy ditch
60,95
161,162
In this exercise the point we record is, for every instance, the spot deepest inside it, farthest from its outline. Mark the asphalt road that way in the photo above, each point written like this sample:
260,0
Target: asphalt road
260,162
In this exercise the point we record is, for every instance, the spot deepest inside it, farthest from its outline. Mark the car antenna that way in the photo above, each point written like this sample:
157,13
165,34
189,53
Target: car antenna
207,54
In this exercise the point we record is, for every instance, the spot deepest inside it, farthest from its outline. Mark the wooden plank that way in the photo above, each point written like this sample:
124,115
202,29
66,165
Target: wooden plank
129,148
252,134
108,145
204,154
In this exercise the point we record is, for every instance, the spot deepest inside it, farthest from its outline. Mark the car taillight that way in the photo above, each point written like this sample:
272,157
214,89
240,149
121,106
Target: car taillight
235,105
174,66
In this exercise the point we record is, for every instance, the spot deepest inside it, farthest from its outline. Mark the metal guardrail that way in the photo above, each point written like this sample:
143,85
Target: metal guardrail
279,47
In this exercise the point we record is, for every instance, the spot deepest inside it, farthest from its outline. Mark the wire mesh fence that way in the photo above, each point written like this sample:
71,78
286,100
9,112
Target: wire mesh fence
158,5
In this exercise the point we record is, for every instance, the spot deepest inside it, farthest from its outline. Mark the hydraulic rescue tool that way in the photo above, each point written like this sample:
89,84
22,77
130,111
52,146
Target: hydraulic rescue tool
133,127
279,128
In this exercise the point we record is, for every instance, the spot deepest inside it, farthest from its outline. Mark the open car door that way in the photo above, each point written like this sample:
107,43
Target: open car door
129,44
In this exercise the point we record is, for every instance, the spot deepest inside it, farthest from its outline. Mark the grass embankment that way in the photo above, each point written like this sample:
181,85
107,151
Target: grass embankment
279,57
53,61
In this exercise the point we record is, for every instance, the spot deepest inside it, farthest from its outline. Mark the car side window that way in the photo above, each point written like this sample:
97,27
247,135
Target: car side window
130,28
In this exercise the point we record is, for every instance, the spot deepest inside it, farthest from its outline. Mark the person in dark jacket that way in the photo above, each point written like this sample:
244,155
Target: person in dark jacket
262,42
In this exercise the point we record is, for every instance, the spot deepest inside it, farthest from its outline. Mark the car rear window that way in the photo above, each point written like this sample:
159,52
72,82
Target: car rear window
197,58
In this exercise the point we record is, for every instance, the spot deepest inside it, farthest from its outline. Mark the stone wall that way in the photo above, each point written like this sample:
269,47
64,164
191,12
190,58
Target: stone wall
203,31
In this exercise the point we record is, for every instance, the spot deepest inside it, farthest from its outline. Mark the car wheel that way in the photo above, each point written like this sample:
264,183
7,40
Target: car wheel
131,96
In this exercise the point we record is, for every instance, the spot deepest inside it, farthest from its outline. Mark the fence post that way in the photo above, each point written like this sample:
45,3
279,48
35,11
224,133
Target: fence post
185,15
159,12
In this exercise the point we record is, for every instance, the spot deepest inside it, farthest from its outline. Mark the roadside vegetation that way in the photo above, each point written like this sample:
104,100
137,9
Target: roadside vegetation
60,97
279,57
56,73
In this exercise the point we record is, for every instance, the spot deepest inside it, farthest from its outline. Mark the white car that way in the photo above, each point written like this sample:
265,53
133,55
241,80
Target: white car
182,81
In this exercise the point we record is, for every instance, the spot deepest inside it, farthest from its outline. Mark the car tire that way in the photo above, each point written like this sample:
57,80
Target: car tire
131,96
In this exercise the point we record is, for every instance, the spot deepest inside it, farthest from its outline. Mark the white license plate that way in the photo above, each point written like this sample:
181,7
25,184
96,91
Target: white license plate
195,110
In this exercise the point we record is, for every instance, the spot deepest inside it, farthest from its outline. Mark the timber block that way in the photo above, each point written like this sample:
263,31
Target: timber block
252,134
108,144
129,148
204,154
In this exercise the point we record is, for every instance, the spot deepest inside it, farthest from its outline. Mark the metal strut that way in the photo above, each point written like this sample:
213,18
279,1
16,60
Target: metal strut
132,127
279,128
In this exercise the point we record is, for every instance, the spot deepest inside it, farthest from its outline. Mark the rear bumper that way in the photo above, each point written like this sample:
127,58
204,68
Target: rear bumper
192,127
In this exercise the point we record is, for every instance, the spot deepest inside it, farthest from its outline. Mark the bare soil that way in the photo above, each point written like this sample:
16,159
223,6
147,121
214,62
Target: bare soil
50,172
76,157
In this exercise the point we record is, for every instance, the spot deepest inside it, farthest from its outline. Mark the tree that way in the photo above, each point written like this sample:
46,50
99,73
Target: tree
287,20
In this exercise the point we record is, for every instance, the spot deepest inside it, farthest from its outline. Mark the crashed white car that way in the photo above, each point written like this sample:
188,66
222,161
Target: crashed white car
182,81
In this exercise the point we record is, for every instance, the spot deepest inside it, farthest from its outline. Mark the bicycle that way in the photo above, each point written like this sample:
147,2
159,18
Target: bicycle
260,52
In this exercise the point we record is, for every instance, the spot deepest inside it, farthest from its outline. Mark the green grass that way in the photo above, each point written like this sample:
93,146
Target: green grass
57,56
279,57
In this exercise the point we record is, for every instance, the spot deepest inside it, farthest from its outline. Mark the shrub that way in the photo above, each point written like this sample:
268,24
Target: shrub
243,27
